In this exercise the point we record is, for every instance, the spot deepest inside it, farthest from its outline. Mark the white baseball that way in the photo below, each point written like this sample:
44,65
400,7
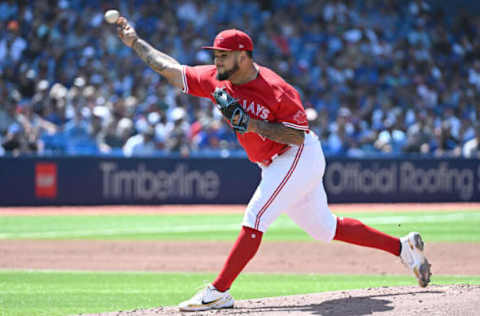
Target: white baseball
111,16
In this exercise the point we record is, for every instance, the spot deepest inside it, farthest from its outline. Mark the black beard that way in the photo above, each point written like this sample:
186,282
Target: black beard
228,73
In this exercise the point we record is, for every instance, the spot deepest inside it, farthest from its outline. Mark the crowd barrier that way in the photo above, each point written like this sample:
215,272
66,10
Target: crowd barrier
29,181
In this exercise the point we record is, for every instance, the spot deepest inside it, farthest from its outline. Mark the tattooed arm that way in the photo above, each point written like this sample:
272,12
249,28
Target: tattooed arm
276,132
165,65
160,62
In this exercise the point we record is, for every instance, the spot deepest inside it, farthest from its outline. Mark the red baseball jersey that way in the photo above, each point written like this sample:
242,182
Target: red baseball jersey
268,97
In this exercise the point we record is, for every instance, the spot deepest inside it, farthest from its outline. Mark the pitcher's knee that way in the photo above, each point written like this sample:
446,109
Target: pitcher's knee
326,231
325,235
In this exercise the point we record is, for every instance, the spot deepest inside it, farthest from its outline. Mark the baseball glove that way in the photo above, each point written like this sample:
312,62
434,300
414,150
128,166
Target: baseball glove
231,110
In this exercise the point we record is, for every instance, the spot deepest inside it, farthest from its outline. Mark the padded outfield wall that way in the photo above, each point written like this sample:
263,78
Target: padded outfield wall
94,180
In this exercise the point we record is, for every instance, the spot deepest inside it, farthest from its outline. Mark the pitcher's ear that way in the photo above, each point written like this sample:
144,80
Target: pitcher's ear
243,55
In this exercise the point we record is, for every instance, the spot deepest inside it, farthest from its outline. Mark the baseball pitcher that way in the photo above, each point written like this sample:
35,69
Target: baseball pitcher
270,123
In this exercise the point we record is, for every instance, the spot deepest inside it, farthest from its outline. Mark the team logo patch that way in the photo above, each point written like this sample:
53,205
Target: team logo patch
300,117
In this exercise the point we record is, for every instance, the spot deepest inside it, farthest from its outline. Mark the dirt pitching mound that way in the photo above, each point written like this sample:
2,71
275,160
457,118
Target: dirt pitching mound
435,300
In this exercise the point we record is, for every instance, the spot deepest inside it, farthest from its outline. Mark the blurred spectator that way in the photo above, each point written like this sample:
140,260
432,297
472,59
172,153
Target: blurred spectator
177,131
339,140
115,135
471,149
141,144
81,133
392,138
17,142
443,143
418,135
12,45
8,115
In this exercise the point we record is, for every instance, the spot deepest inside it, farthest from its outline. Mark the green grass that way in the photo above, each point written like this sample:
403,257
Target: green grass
44,293
434,226
48,293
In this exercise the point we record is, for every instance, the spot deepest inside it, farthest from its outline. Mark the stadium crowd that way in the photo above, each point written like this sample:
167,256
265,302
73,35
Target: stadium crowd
376,77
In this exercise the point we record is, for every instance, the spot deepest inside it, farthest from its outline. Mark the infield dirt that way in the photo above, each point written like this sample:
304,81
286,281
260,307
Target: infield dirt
453,300
280,257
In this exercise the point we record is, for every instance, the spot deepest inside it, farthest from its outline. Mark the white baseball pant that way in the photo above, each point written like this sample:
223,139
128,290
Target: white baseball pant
293,184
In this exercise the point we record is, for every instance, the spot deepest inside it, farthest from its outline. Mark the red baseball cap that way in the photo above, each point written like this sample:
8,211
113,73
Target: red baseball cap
230,40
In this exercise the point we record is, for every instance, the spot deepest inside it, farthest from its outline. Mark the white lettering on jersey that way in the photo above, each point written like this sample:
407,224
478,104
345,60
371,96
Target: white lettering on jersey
257,110
265,113
251,108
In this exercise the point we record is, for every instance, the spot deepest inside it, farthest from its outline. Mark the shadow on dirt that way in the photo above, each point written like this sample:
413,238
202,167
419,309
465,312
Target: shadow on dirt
349,306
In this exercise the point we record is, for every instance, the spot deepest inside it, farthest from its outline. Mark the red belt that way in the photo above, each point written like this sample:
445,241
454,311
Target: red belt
267,162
